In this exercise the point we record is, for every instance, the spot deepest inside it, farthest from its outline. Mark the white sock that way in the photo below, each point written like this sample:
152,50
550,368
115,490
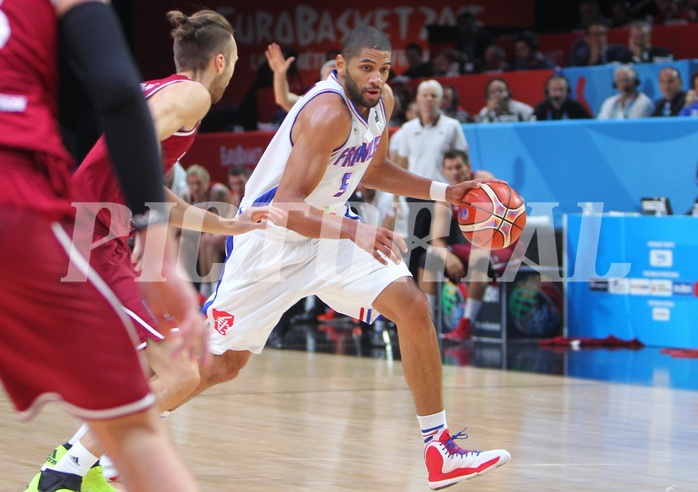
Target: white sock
77,461
78,435
472,308
109,471
432,425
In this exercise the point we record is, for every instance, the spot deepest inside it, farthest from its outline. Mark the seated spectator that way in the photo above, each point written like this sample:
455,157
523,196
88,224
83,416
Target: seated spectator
669,12
456,254
527,53
448,63
237,179
500,105
216,198
471,38
640,44
593,49
690,107
670,84
621,15
557,104
416,66
450,106
589,14
495,60
629,102
692,10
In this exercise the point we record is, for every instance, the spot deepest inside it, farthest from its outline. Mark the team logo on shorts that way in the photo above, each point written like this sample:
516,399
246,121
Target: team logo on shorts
222,321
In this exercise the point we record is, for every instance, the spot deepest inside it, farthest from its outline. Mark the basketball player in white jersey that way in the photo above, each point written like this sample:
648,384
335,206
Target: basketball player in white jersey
335,137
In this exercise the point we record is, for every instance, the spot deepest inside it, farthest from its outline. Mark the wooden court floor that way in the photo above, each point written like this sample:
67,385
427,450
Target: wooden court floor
298,421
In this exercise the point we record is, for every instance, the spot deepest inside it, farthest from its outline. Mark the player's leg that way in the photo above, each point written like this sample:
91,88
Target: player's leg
144,454
175,375
387,290
257,286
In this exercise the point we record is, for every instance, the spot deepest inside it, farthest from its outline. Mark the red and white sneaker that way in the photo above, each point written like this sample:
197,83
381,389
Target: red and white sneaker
447,463
462,332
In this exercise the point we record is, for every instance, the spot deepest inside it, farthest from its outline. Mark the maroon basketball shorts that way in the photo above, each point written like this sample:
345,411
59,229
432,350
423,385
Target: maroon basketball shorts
64,341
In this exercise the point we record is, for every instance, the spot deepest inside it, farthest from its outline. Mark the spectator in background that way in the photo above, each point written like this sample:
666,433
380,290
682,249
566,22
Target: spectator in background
216,198
692,10
671,86
423,143
629,102
621,14
495,60
557,104
450,106
593,49
589,14
237,179
411,113
280,66
691,103
527,53
640,44
669,12
416,66
448,63
457,254
500,105
471,38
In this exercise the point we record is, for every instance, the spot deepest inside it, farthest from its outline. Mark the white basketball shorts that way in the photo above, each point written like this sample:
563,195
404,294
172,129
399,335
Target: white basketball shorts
269,271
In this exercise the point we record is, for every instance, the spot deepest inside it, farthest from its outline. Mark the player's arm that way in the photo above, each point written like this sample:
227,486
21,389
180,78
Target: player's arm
178,107
187,216
321,127
92,41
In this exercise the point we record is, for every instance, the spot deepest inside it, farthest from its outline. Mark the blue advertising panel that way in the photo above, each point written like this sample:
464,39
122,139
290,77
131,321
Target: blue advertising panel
632,277
613,162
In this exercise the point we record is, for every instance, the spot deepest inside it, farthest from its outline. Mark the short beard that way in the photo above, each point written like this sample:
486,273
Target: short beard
355,93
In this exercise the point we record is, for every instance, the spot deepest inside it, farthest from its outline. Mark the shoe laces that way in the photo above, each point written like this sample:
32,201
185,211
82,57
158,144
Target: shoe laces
454,448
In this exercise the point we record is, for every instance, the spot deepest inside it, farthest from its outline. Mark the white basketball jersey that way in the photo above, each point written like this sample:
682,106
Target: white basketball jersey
346,165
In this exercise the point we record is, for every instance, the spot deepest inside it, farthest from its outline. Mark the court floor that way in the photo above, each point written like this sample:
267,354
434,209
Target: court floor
331,413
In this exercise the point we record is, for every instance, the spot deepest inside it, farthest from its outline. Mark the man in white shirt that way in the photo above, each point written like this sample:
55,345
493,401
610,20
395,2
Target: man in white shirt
424,141
629,102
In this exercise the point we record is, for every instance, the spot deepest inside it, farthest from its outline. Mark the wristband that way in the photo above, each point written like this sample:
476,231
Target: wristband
437,191
151,217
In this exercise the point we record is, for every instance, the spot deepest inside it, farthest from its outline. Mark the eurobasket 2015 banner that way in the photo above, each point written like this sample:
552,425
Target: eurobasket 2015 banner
312,28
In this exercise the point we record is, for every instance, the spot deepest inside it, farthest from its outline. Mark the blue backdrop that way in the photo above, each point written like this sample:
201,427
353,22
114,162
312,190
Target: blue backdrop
613,162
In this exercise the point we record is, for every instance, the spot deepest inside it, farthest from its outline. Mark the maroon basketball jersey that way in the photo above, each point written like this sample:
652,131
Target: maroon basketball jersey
34,165
94,181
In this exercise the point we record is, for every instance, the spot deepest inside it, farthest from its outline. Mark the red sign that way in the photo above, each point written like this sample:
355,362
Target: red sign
314,27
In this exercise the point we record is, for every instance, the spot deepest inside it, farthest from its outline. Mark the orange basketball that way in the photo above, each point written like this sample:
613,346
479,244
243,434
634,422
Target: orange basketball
492,216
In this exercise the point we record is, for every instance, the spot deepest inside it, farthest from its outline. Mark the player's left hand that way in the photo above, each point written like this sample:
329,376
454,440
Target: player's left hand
257,218
455,193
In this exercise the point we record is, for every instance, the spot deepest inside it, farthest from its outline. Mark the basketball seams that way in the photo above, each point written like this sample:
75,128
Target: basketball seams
504,216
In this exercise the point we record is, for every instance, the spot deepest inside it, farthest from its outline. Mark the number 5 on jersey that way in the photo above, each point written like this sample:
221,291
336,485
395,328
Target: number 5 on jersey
345,185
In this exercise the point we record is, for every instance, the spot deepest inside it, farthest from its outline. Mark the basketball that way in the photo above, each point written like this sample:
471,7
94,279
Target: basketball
492,216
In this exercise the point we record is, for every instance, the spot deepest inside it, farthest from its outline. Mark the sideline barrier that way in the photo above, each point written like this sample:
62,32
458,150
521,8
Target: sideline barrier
632,277
566,162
